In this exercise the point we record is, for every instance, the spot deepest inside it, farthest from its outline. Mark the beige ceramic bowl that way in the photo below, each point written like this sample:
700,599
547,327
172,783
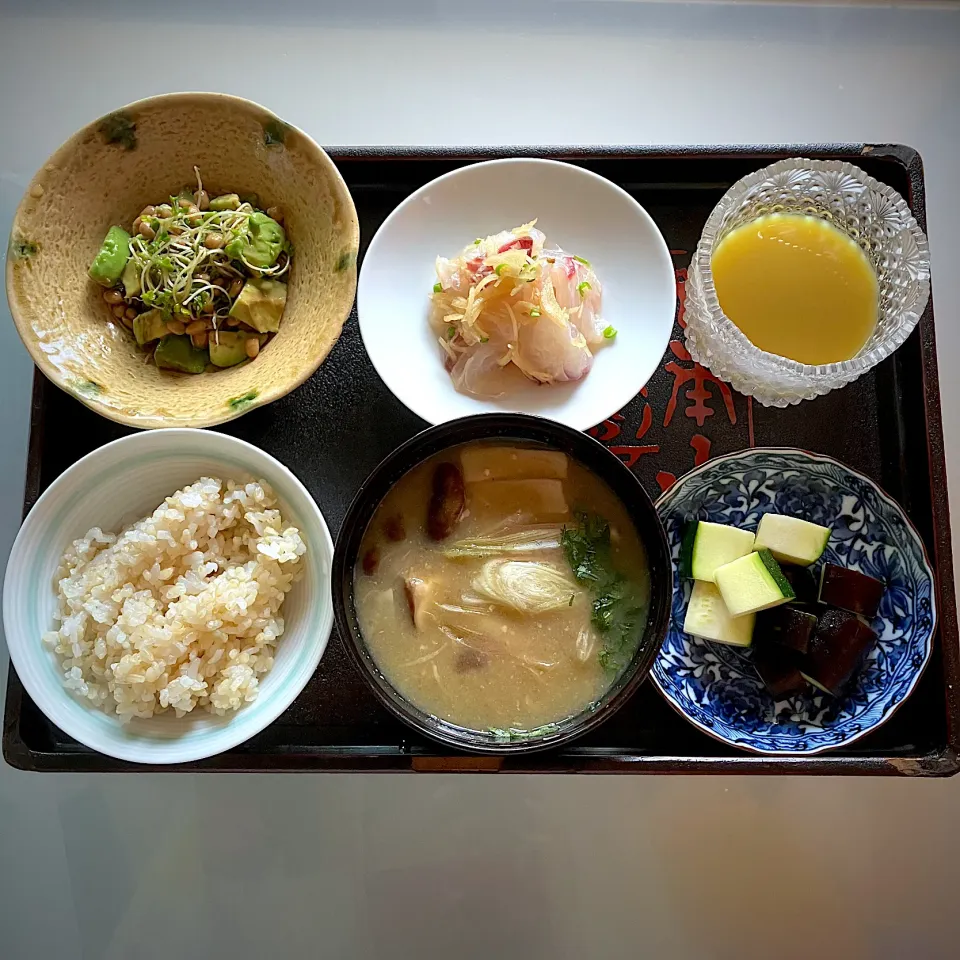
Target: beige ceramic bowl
143,153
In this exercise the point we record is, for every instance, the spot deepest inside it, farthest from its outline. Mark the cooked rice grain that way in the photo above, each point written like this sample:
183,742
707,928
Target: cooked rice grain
181,609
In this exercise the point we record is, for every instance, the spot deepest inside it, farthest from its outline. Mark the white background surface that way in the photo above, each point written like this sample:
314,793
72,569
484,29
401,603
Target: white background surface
123,866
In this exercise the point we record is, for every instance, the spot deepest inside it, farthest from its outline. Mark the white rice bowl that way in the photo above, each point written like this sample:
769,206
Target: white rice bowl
182,609
168,633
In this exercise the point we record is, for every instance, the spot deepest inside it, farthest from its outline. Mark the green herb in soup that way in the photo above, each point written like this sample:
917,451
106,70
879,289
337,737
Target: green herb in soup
487,601
619,608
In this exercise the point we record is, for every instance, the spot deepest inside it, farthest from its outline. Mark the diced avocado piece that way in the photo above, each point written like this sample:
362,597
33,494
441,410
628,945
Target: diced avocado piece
149,326
108,264
227,349
752,583
707,546
130,278
792,540
261,244
226,201
708,617
178,353
260,304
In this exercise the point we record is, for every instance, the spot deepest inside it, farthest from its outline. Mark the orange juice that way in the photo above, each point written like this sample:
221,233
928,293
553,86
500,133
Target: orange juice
797,286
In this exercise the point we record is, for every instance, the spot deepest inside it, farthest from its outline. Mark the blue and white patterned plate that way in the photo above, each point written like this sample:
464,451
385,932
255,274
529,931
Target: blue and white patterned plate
716,685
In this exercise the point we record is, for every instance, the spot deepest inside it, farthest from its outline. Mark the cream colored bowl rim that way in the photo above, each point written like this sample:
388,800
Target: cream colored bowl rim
22,322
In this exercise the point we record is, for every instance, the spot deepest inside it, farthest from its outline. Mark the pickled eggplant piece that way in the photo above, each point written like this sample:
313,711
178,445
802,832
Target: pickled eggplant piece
786,628
805,583
850,590
779,672
838,649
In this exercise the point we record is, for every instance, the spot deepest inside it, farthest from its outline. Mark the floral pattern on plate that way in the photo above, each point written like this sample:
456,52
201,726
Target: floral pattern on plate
715,685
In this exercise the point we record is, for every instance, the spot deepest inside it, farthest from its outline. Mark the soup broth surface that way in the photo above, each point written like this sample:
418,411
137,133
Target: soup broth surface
488,627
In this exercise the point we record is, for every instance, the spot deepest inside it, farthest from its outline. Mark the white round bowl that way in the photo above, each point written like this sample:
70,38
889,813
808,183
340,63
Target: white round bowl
581,212
111,487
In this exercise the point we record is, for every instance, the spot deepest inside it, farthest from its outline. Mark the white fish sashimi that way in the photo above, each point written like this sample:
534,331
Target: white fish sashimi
530,239
480,373
509,308
583,302
551,352
448,273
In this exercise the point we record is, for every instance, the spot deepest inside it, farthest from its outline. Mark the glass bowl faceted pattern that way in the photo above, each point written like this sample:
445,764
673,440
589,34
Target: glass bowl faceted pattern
875,216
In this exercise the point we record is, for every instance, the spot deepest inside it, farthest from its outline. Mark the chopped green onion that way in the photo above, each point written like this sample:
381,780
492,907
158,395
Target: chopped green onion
437,287
498,268
534,312
451,332
484,339
583,286
609,333
586,263
477,241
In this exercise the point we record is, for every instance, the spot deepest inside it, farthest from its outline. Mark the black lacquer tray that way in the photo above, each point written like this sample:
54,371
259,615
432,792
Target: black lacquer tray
334,429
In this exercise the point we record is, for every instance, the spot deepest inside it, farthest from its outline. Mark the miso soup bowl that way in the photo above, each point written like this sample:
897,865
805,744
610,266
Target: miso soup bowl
506,427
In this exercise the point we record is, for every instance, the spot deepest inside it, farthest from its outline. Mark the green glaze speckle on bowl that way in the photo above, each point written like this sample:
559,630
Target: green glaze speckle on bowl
275,133
88,388
239,403
119,128
22,249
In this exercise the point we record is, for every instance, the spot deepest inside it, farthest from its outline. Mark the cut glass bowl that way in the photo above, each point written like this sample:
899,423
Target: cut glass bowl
875,216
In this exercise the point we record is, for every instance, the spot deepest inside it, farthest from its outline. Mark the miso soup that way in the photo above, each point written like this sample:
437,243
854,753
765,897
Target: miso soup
501,586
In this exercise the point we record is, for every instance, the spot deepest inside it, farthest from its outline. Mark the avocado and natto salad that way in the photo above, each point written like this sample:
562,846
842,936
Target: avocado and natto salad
199,280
